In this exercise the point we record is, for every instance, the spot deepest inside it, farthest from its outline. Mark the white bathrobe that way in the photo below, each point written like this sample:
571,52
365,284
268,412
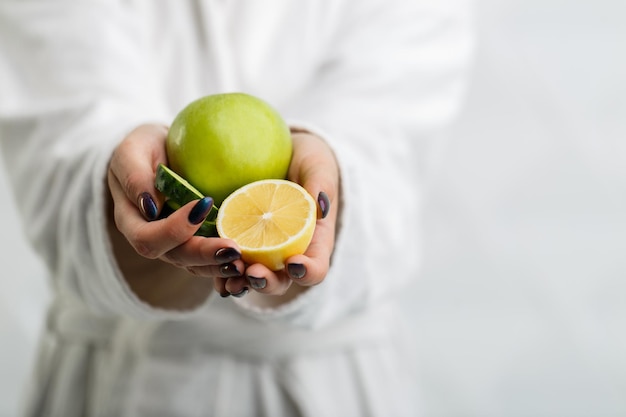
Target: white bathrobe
373,77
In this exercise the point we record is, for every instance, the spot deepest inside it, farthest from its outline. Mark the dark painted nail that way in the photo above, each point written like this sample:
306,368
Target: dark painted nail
241,293
257,283
147,206
229,270
225,255
324,202
225,294
199,212
297,271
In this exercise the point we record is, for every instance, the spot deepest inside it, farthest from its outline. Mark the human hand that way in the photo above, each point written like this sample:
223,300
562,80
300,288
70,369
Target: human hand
137,204
314,166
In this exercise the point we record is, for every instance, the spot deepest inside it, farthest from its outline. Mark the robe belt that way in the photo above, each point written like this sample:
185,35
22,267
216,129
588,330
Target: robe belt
245,337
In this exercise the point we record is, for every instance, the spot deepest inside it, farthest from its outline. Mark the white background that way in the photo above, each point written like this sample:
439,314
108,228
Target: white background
521,309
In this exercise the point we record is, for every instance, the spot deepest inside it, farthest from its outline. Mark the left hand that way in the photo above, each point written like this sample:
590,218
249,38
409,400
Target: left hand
313,165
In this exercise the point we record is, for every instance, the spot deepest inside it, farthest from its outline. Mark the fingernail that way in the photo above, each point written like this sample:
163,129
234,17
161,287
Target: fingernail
225,294
257,283
241,293
297,271
226,255
324,202
199,212
229,270
147,206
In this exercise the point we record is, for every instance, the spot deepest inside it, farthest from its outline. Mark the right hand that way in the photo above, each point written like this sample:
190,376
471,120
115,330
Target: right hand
137,204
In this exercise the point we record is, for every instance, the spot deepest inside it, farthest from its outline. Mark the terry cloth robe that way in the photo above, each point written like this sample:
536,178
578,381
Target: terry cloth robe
373,78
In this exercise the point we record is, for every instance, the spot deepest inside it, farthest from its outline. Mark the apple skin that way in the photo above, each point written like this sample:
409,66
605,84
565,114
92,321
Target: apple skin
222,142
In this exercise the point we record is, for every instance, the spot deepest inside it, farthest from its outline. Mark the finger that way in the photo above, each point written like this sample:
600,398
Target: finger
237,286
134,164
223,271
219,284
174,243
263,280
314,166
153,239
200,251
312,267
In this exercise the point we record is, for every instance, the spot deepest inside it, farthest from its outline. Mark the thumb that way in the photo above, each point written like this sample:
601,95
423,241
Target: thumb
133,165
315,167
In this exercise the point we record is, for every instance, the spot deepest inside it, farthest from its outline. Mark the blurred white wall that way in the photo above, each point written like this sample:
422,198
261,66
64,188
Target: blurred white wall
521,309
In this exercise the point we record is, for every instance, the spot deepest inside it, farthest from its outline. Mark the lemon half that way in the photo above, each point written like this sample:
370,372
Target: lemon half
270,220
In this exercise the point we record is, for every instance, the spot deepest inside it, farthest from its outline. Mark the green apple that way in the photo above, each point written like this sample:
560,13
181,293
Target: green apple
221,142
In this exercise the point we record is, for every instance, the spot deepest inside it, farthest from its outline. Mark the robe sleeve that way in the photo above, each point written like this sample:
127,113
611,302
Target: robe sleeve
73,83
394,74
